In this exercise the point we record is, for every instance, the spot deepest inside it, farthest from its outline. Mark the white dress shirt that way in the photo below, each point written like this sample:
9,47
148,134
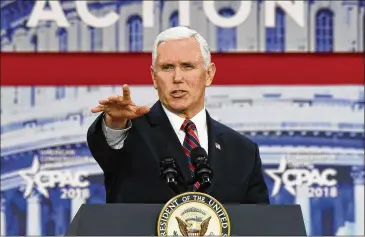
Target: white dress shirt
115,138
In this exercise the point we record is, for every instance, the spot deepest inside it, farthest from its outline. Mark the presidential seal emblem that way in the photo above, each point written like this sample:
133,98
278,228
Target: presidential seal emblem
193,214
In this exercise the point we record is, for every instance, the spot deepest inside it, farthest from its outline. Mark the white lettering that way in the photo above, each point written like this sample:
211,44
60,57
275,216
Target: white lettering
91,20
319,192
325,177
147,13
293,178
298,177
295,9
185,198
49,179
221,21
74,193
184,13
55,14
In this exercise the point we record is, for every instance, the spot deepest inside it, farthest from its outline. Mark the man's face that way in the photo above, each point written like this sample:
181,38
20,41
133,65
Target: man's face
180,76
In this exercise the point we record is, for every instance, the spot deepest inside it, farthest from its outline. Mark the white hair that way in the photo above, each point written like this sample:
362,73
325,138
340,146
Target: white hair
182,32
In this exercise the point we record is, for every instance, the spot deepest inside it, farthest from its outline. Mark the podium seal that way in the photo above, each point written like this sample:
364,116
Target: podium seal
193,214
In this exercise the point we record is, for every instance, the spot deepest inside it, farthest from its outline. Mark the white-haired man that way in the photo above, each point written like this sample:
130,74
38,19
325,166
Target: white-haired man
128,141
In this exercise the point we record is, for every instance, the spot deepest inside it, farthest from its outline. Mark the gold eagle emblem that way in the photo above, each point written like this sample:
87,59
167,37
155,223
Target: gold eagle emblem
193,229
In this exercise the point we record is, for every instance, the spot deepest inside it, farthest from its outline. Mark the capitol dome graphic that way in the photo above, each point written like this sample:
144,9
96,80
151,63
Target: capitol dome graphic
311,138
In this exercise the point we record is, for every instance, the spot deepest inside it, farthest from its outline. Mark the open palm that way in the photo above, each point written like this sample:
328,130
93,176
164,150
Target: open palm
120,107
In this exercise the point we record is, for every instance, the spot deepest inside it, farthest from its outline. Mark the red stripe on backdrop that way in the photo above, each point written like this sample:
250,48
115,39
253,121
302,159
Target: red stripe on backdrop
237,68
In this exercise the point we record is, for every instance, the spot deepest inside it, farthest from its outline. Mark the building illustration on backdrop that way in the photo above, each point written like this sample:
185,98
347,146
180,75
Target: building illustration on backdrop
333,207
331,26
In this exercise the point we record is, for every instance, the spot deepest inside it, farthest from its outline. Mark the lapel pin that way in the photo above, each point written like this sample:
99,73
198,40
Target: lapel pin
217,146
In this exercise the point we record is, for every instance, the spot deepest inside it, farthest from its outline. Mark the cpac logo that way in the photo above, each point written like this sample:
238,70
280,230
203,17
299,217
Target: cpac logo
44,179
296,177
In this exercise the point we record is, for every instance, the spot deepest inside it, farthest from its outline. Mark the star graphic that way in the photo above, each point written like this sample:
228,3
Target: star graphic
275,174
29,176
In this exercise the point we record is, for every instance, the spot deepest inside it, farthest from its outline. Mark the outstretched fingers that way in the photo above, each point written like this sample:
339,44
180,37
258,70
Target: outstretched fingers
126,93
115,98
97,109
115,101
101,108
141,110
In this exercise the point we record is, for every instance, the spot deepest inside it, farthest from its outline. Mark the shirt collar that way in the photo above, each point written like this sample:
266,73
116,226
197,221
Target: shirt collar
176,121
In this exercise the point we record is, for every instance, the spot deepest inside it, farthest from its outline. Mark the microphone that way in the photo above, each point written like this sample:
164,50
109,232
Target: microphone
203,172
169,172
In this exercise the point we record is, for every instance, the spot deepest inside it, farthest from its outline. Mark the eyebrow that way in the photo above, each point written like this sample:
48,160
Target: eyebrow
185,62
166,64
189,62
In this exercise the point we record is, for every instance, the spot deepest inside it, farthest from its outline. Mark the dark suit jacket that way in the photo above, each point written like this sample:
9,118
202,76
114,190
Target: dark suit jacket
132,174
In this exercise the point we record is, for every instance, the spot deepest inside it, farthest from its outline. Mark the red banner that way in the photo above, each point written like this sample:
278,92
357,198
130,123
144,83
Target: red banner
232,68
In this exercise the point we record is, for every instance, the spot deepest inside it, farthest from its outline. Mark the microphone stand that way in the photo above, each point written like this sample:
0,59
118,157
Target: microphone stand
203,172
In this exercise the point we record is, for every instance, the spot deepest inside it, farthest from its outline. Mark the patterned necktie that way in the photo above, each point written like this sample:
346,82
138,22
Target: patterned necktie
191,141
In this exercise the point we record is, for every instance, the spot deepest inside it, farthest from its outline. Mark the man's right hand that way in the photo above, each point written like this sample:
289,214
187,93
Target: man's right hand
118,109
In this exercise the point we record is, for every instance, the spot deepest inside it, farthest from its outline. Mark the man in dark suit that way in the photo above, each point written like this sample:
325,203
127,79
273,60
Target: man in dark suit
129,141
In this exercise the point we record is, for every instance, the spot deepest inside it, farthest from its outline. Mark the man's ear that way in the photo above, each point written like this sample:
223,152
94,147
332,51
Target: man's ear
153,76
210,74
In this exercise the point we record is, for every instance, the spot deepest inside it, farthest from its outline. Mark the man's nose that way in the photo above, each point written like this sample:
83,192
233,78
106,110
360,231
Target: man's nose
178,76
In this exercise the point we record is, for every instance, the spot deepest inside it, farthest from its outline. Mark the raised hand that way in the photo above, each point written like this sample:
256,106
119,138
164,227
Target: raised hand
118,109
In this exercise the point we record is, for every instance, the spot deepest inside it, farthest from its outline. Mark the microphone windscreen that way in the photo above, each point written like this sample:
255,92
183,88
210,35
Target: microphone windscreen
198,152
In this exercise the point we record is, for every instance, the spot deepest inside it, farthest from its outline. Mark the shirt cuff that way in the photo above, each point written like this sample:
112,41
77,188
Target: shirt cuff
115,134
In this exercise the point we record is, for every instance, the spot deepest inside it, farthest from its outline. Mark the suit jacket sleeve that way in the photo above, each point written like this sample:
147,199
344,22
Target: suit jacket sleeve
106,156
257,190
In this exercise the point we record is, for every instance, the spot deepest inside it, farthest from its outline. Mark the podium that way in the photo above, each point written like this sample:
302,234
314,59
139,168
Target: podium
142,219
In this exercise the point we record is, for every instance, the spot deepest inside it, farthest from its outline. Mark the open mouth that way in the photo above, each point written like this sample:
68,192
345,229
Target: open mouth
178,93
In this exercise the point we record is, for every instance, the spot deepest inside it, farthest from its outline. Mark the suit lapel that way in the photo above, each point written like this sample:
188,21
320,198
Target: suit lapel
215,150
167,141
162,139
